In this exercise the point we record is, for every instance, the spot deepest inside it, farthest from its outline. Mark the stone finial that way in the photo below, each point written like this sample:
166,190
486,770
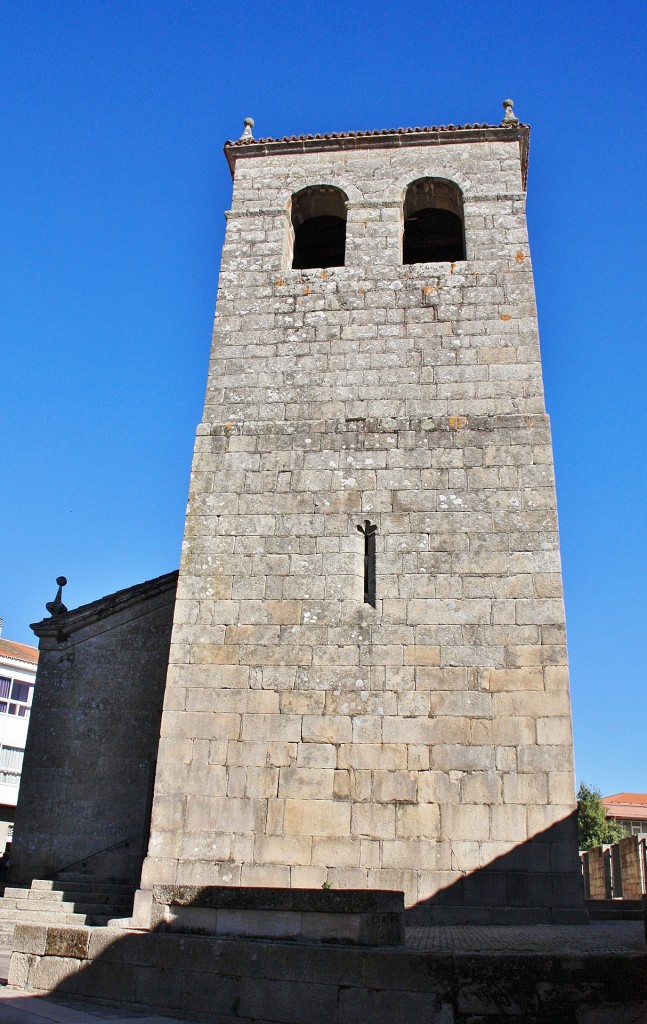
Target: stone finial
509,117
247,134
56,607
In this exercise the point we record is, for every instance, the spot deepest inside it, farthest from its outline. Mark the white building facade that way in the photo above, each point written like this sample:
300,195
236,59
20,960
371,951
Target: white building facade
18,663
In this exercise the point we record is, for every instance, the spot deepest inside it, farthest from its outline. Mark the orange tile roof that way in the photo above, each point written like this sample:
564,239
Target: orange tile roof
18,652
626,805
626,798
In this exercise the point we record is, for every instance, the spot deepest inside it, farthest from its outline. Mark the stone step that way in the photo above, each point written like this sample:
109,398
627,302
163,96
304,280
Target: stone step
75,907
52,915
615,910
67,896
42,917
55,897
14,892
89,878
81,885
93,920
65,902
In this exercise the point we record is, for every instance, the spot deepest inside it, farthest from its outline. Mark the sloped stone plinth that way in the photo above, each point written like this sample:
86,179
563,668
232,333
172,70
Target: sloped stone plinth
359,916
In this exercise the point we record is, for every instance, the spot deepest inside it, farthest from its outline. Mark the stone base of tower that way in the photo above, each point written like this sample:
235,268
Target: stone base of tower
421,745
529,975
532,883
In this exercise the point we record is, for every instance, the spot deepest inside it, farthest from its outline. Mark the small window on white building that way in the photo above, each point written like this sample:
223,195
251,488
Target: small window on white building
20,694
10,765
20,691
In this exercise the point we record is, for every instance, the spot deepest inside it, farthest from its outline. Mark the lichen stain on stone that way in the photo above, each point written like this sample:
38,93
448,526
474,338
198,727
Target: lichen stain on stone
428,289
280,283
520,257
505,316
307,291
324,275
456,422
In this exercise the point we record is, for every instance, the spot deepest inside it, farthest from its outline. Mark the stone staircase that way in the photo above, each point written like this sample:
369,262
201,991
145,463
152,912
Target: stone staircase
616,910
66,901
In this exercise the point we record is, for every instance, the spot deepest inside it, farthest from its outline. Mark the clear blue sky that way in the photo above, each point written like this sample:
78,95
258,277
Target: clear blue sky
113,187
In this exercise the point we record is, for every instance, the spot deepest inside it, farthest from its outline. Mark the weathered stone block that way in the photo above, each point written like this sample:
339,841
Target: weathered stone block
465,822
53,972
67,942
421,820
373,821
294,1002
341,852
206,993
481,788
525,789
372,755
389,1007
281,849
395,787
508,821
322,965
314,783
516,679
21,968
316,818
29,938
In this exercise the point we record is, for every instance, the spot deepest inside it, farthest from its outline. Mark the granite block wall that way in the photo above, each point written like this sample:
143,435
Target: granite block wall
89,764
307,737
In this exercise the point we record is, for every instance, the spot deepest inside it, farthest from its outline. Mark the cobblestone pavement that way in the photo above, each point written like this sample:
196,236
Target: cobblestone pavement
600,937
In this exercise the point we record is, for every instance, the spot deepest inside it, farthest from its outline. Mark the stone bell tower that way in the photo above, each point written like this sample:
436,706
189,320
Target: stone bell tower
368,683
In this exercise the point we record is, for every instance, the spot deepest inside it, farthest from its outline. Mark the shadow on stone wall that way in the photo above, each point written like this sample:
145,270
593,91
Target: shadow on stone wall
226,979
244,981
539,881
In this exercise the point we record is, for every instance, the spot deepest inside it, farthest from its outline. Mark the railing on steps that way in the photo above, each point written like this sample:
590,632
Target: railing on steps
83,861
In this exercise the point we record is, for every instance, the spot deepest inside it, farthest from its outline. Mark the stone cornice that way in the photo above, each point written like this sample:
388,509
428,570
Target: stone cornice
388,139
105,612
376,424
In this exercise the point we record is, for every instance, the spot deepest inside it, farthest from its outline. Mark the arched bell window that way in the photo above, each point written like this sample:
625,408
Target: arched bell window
319,224
433,222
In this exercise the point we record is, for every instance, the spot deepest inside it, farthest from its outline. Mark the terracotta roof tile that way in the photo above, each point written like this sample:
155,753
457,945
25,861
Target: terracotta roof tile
18,652
639,799
368,134
626,805
248,146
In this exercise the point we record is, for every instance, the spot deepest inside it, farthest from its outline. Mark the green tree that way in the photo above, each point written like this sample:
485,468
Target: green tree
593,827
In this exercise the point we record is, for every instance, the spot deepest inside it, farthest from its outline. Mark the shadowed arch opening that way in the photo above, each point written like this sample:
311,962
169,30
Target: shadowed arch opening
319,223
433,222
